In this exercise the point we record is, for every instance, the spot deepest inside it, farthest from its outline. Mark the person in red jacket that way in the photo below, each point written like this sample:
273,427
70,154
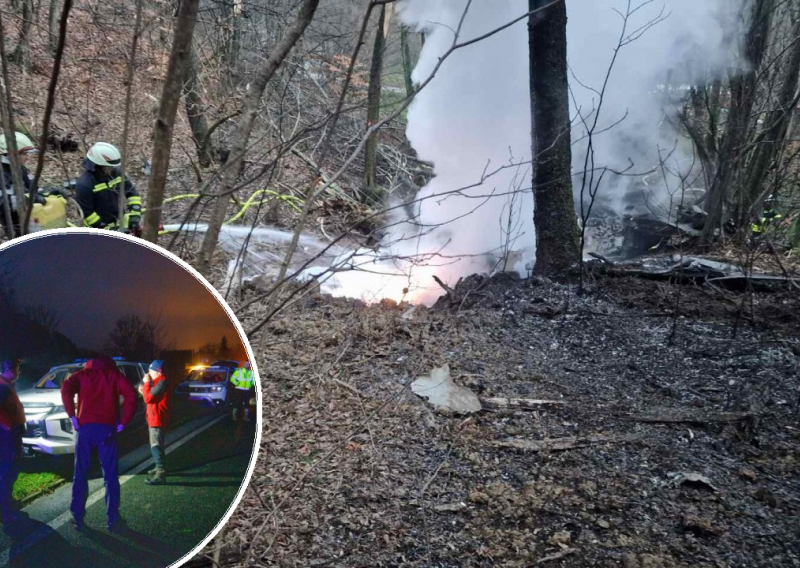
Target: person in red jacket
97,422
156,393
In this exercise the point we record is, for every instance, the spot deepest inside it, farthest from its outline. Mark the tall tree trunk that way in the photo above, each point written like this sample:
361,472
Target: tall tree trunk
372,193
777,124
554,213
739,127
7,112
245,127
123,168
51,24
196,109
21,54
168,108
405,49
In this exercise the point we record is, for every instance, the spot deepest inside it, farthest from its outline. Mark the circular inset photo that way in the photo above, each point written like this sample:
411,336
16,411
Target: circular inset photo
129,404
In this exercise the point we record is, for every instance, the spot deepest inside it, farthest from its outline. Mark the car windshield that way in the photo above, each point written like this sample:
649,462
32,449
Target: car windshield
208,375
54,378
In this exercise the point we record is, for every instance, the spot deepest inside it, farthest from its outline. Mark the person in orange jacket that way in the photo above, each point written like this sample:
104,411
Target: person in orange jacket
156,393
97,422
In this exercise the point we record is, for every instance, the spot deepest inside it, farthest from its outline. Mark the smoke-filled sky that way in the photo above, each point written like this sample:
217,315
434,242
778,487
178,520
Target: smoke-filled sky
91,280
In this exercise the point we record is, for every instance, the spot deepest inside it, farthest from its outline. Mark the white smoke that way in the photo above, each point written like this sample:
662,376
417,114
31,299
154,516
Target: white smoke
690,41
474,117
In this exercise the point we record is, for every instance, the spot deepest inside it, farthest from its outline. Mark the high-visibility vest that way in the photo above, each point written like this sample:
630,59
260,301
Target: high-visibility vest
243,379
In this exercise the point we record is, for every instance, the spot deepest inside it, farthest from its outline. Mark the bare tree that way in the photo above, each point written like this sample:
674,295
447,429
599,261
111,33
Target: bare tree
195,109
371,193
137,338
245,127
554,213
168,108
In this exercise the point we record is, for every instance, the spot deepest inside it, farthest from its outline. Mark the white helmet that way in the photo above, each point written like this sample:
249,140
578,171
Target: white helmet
24,143
104,154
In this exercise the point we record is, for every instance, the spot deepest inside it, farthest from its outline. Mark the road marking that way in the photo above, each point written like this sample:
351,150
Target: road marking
63,518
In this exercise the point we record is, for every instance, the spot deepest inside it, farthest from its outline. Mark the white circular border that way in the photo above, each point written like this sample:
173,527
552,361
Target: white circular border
245,341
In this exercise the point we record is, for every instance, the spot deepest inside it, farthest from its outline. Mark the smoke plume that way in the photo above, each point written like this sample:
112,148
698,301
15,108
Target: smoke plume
474,118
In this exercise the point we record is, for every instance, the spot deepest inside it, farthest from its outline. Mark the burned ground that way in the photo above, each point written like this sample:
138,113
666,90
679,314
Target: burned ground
356,470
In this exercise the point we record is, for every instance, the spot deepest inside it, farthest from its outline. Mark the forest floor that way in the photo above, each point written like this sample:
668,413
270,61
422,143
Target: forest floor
355,470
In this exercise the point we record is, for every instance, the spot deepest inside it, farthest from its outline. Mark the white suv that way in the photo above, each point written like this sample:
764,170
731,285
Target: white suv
49,430
207,385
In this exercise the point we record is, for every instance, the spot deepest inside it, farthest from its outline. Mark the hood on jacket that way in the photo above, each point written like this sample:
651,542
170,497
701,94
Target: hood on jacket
100,364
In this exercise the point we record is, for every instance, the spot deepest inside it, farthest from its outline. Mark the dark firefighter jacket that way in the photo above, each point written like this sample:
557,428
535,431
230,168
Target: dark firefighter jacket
99,197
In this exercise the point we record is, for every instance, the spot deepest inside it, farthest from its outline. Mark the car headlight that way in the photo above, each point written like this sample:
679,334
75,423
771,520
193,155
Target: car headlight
57,409
217,389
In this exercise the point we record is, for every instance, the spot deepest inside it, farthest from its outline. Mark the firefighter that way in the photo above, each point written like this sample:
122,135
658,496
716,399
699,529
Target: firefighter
97,190
97,422
768,217
12,427
25,150
244,387
156,394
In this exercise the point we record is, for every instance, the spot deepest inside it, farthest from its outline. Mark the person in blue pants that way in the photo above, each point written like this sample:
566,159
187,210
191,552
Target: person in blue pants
97,422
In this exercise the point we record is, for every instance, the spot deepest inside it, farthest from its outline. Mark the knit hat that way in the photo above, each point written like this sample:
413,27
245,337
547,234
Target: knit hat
157,365
9,365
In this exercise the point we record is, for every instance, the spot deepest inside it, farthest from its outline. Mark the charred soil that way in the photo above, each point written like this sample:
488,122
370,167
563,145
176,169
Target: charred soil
674,449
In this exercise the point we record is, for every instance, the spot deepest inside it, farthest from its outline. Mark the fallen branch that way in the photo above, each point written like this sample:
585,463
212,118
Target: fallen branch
692,417
562,444
517,403
448,289
557,555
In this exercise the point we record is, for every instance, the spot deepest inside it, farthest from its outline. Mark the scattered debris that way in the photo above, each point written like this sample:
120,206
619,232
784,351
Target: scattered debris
450,507
495,403
699,526
444,394
562,444
748,474
691,479
691,416
560,538
557,556
631,560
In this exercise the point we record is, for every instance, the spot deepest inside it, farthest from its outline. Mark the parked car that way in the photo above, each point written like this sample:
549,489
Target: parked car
209,385
230,363
49,429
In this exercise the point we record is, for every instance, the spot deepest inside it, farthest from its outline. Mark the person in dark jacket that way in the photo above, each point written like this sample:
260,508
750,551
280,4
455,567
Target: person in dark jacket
12,427
25,149
156,393
97,422
97,190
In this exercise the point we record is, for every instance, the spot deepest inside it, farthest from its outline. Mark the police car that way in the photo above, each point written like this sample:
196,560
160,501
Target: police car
207,385
49,429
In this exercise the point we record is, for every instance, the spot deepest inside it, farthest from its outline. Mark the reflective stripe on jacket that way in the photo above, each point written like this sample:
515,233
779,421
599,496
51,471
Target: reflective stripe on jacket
99,197
243,379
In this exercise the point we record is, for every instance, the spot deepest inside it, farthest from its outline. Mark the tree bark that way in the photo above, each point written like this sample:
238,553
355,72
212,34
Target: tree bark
123,168
195,109
21,54
51,24
554,214
170,97
372,193
777,121
739,127
405,49
245,127
7,111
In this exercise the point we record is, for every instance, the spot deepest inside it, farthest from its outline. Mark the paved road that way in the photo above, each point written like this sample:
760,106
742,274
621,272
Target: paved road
163,523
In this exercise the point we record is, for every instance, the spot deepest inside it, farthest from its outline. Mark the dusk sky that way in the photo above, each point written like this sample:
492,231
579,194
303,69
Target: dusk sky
92,280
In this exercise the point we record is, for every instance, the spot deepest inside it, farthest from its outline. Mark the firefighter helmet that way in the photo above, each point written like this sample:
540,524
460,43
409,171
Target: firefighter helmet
104,154
24,144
